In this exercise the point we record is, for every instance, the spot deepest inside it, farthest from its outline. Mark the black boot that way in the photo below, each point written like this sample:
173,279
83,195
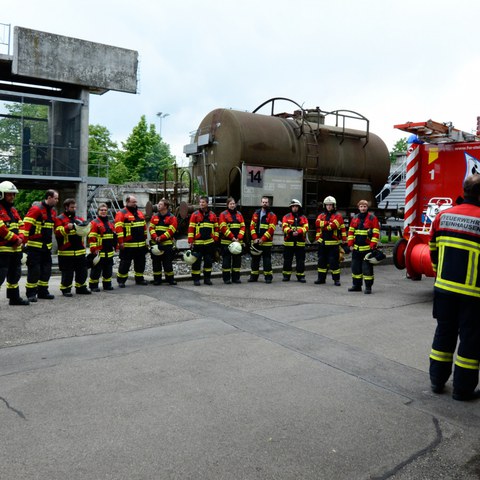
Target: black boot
45,294
320,279
19,301
83,291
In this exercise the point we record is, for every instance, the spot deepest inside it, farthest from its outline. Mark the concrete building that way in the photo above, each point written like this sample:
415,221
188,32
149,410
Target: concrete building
45,89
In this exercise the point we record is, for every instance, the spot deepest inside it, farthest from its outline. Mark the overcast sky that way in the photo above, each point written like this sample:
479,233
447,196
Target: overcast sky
392,61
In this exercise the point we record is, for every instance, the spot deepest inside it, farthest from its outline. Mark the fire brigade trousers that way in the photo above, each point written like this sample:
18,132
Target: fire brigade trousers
103,268
457,318
11,270
299,254
362,271
205,253
328,258
39,271
72,267
127,256
165,262
231,265
266,258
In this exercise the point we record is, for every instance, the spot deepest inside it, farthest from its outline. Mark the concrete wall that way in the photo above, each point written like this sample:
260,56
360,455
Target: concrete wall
47,56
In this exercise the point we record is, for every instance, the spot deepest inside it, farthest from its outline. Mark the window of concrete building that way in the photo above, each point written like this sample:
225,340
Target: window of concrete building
39,136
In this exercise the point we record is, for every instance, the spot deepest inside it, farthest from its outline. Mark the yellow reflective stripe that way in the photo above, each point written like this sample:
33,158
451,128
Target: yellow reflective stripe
441,356
134,244
468,363
71,253
10,249
33,243
203,242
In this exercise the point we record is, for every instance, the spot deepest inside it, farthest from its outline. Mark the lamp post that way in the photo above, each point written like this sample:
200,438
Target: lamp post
161,115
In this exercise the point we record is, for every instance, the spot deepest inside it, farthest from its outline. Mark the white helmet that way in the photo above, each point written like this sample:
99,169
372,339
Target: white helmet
295,202
83,228
156,250
235,248
96,259
255,250
189,257
330,200
375,257
7,187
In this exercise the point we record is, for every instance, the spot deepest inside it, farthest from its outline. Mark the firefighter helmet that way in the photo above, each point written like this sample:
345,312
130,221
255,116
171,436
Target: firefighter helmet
7,187
330,200
156,250
296,202
92,259
235,248
96,259
190,257
254,250
375,257
83,228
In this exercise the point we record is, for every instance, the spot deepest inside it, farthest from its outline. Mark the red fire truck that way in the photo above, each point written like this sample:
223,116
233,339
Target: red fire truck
439,158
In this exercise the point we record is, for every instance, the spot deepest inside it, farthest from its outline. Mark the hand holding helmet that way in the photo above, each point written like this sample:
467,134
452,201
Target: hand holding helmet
235,248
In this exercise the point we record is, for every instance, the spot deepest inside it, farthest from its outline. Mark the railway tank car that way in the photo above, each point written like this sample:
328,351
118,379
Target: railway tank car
287,155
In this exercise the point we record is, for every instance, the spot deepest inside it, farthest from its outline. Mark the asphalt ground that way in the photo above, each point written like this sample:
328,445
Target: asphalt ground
250,381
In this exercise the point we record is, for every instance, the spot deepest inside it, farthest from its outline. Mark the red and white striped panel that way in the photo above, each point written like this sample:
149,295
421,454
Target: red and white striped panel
411,185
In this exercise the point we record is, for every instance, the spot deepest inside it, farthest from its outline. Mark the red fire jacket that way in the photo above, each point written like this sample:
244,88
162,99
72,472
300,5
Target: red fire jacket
203,228
364,232
163,228
10,225
38,226
232,225
263,227
294,223
330,229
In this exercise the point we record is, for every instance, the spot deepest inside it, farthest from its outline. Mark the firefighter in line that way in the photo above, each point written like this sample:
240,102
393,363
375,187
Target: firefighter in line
232,229
11,243
131,229
102,241
363,237
69,231
38,228
330,233
295,228
163,226
202,237
455,254
262,228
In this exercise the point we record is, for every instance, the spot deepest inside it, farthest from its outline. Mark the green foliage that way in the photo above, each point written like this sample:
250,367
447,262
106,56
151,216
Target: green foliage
399,147
145,156
20,124
25,198
102,151
384,239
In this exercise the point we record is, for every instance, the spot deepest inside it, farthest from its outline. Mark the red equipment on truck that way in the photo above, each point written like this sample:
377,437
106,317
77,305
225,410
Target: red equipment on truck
439,158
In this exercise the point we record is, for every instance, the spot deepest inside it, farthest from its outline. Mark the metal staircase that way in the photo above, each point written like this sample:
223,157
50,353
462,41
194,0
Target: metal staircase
108,196
393,193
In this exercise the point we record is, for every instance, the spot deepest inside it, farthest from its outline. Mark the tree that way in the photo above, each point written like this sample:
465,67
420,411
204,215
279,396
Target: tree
23,127
103,152
399,147
145,155
25,198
